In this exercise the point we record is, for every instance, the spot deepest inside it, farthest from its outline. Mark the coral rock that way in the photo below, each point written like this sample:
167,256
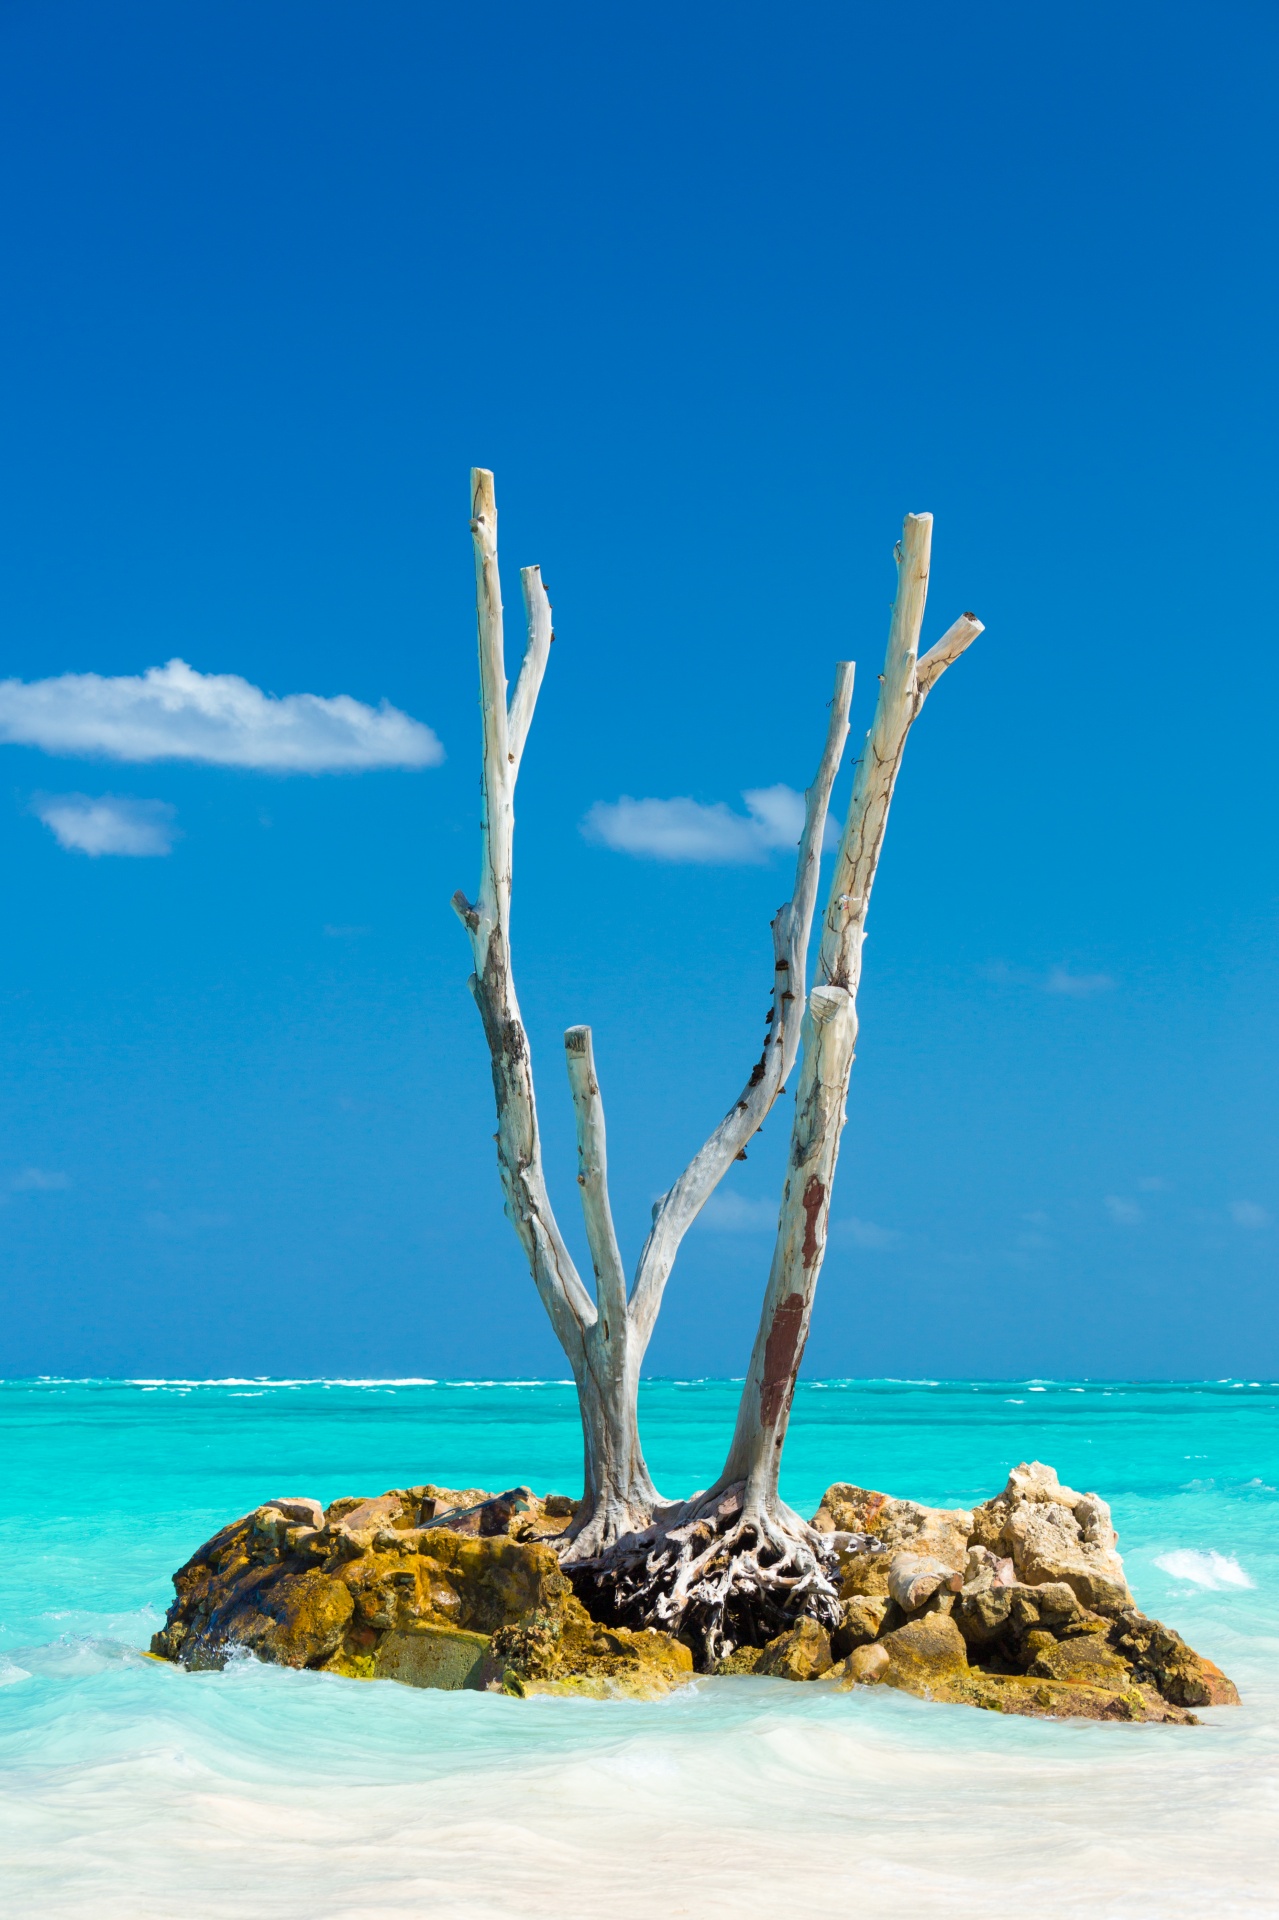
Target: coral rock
391,1588
862,1620
1053,1534
802,1653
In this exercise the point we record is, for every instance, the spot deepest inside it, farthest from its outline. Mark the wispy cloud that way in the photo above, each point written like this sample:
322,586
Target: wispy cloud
175,713
734,1213
692,833
1078,986
865,1234
37,1180
1075,986
107,823
1246,1213
182,1225
1124,1213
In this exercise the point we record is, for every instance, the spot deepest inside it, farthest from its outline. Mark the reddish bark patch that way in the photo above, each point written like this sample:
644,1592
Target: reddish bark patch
781,1357
814,1194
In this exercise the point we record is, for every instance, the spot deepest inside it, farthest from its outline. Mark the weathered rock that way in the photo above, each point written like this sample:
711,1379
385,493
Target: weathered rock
862,1620
878,1527
391,1588
903,1525
1042,1611
1053,1534
925,1655
740,1660
802,1653
1086,1659
1019,1607
913,1579
1160,1658
1061,1700
301,1511
572,1655
446,1657
863,1667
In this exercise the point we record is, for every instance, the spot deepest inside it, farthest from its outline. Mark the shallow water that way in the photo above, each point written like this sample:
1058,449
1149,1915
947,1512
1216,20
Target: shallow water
130,1789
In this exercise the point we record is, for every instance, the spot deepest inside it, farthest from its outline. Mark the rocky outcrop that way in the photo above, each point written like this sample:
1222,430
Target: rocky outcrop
1020,1606
1052,1534
803,1653
431,1586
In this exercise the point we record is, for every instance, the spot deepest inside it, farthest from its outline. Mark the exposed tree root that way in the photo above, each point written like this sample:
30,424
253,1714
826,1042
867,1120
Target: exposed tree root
720,1571
595,1534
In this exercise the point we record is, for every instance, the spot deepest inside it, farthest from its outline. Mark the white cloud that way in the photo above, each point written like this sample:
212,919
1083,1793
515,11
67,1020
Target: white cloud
1076,986
107,824
691,833
175,713
1124,1213
1246,1213
36,1180
180,1225
865,1234
1079,986
733,1213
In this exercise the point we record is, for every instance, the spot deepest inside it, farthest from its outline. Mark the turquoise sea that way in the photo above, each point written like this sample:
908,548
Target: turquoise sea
130,1789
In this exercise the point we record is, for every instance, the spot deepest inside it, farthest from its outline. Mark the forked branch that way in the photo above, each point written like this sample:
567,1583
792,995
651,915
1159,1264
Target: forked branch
676,1211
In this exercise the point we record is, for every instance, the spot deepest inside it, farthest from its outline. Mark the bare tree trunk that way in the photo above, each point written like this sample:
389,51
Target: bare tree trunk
735,1562
604,1338
830,1029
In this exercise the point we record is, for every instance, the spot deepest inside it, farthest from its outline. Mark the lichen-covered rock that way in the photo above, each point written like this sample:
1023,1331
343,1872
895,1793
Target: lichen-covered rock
925,1656
1063,1700
1161,1659
568,1654
1018,1607
802,1653
1085,1659
431,1586
862,1620
864,1666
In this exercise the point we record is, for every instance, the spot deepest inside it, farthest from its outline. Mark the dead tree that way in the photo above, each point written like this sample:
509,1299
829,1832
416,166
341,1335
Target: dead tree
604,1332
735,1564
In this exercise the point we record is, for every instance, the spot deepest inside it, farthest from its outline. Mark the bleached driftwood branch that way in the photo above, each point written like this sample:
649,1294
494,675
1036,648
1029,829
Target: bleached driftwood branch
605,1337
676,1211
830,1028
735,1563
519,1148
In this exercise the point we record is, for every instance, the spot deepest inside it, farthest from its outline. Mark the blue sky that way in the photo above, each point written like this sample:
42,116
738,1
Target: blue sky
720,294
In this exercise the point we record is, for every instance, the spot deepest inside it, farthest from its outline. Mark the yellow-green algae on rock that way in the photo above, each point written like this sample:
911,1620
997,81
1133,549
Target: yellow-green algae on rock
430,1586
1020,1606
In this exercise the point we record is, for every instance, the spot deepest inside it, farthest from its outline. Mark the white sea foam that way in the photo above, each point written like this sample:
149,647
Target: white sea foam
318,1799
1210,1569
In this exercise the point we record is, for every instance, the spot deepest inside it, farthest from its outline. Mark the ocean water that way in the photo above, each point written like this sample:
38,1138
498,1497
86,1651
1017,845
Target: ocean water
130,1789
